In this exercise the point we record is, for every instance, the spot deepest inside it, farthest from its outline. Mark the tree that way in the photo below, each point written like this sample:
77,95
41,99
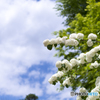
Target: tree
87,72
31,97
70,8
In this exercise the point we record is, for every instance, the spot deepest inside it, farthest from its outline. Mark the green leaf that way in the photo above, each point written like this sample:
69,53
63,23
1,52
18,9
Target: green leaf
55,45
49,47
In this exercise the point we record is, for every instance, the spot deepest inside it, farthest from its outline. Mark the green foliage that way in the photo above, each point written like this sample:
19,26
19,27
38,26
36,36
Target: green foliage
69,9
31,97
49,47
86,21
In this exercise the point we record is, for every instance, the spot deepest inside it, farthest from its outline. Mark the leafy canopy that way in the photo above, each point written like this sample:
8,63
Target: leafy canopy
80,23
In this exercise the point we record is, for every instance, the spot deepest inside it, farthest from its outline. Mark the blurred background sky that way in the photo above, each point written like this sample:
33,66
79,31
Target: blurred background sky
25,64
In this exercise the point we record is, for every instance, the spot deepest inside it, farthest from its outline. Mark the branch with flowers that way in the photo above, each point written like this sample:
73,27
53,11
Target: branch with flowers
82,71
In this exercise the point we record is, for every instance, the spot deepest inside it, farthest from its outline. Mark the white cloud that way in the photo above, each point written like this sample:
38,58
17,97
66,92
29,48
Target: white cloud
35,74
24,24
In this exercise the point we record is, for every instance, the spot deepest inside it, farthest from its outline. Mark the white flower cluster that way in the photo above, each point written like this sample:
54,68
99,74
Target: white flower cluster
58,40
71,41
82,90
78,98
68,64
95,64
96,89
88,56
76,36
91,37
99,56
54,77
82,59
94,97
74,62
89,43
97,81
66,81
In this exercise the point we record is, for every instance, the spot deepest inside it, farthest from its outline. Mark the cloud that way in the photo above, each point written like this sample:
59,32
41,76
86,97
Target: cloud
24,24
35,74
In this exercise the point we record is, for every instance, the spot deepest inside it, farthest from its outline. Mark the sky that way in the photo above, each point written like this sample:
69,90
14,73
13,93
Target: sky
25,64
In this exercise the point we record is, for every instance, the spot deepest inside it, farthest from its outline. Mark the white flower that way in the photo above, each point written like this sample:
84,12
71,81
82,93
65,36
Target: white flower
66,81
80,36
58,64
72,42
82,61
92,53
92,36
50,80
96,89
97,80
64,38
46,42
74,62
76,42
82,58
73,36
78,98
95,64
53,41
69,66
96,49
54,77
65,61
82,89
88,59
60,74
99,56
59,40
89,43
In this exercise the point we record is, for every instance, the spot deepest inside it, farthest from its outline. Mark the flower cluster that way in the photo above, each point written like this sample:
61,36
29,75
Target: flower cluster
92,36
82,90
58,40
95,64
96,89
90,43
76,36
78,98
71,41
83,58
94,97
54,77
68,65
67,82
88,56
97,81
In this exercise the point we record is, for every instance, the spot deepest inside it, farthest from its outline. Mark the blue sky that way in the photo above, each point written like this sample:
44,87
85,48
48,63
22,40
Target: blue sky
25,64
